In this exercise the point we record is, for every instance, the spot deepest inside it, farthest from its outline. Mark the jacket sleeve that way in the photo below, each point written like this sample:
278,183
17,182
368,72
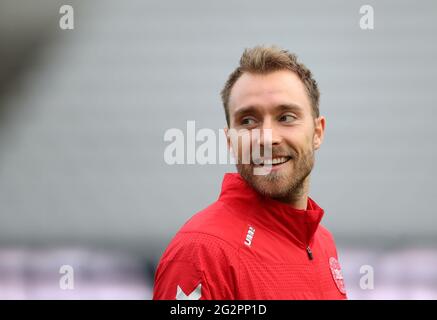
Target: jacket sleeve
196,266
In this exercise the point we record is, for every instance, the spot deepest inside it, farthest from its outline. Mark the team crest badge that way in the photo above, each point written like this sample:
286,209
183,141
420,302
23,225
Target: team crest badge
337,274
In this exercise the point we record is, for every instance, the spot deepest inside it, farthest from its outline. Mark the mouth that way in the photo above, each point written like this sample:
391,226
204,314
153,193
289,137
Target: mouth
274,162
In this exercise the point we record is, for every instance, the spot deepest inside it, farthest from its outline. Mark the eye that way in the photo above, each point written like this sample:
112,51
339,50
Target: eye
287,118
247,121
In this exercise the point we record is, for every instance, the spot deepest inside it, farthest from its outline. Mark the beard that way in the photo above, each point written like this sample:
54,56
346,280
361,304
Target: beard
286,184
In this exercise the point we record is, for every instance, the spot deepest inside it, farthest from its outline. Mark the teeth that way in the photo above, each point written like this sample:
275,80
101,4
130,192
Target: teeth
279,160
275,161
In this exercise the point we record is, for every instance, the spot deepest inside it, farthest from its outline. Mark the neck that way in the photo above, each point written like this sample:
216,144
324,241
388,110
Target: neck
298,197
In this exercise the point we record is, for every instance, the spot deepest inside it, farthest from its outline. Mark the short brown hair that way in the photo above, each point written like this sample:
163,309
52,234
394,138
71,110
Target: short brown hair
263,60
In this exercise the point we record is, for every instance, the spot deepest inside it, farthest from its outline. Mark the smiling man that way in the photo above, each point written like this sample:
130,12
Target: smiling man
262,239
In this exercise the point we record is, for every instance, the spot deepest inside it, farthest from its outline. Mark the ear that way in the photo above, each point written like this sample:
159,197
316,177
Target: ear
228,139
319,132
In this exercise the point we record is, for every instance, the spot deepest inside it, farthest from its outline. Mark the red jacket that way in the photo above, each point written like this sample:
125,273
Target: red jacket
248,246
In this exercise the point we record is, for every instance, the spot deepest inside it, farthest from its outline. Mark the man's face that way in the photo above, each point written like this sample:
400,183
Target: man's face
277,101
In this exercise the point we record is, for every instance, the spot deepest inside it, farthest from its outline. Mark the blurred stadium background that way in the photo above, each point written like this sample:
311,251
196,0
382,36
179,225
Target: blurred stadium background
83,114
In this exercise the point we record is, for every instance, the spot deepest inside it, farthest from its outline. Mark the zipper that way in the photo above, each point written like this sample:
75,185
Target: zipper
310,253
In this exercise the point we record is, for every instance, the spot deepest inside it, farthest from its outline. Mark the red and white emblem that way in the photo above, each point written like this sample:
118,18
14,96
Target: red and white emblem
336,274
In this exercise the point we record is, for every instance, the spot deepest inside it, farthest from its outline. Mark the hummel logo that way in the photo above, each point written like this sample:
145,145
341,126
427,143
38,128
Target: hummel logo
249,236
194,295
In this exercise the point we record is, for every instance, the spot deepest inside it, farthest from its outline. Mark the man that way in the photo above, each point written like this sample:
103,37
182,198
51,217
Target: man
262,238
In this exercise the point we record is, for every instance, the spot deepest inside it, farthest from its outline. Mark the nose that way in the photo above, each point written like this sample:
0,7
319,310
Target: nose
269,134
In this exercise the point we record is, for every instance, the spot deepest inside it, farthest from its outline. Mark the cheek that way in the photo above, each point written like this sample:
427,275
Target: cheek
299,141
241,147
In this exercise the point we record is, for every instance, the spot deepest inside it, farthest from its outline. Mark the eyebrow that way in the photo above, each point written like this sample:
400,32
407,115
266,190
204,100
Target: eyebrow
253,108
290,107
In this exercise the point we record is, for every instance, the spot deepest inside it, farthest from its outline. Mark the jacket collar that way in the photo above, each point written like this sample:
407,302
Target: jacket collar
295,224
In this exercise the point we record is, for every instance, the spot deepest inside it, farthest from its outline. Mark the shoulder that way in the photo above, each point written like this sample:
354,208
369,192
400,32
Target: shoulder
199,254
218,224
213,232
327,239
324,232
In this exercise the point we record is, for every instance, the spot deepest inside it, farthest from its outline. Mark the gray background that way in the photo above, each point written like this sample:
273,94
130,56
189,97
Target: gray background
83,114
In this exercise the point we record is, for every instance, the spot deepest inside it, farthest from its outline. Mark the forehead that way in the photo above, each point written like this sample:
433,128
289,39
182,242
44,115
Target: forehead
268,91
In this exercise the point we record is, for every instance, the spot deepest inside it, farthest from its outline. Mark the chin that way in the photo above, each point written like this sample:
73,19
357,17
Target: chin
273,185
